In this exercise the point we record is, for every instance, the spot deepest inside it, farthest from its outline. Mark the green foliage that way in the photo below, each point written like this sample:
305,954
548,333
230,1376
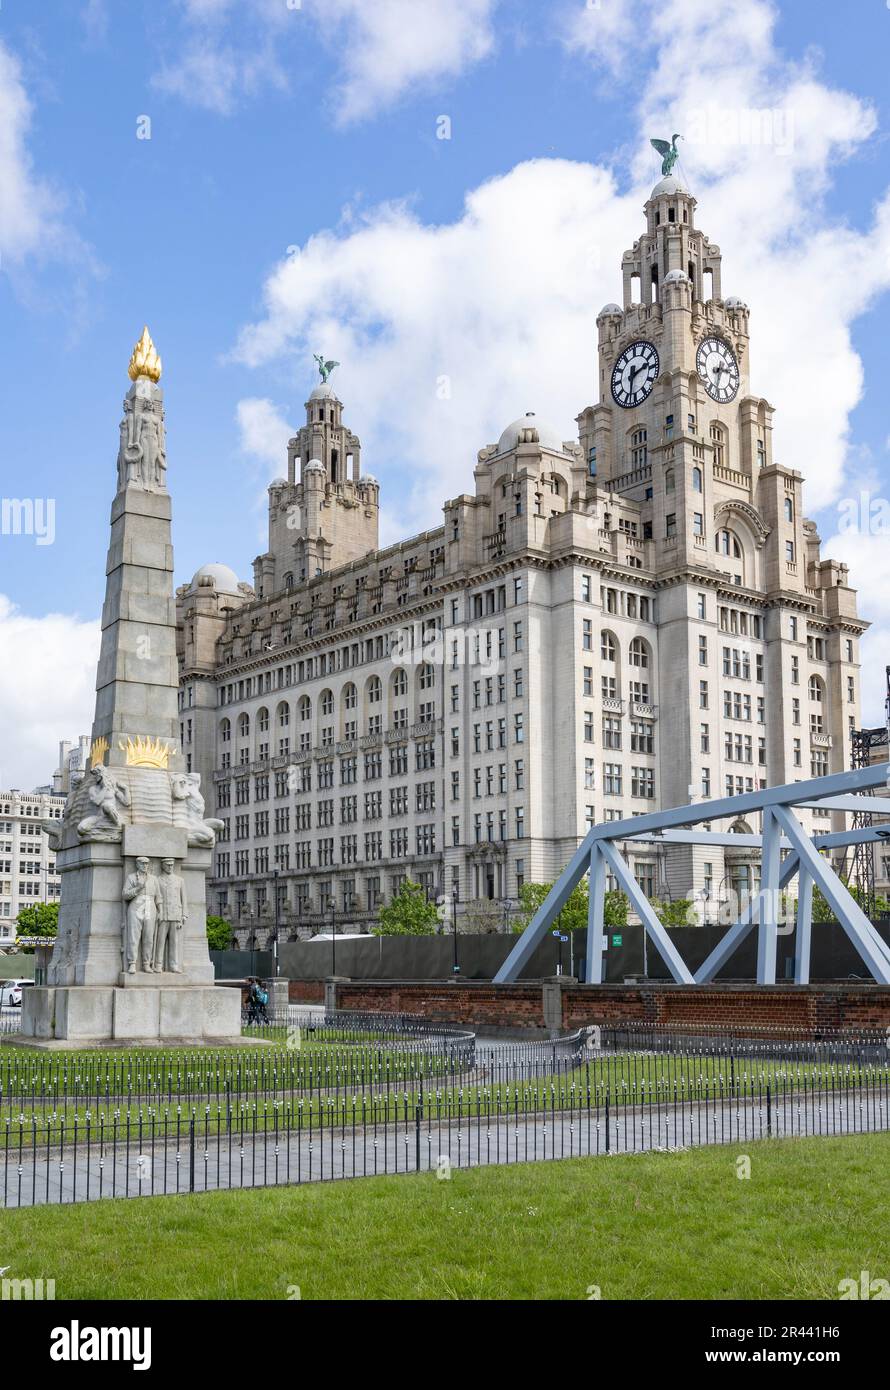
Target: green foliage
615,908
675,914
574,915
409,914
822,912
41,919
219,933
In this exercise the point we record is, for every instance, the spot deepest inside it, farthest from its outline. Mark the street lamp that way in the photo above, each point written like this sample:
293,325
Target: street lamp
332,906
508,903
455,899
275,891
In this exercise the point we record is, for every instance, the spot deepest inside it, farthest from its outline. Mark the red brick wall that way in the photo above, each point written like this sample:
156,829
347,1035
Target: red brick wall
748,1008
468,1002
306,991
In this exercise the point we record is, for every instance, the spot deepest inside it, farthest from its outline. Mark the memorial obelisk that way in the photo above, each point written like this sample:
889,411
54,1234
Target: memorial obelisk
131,962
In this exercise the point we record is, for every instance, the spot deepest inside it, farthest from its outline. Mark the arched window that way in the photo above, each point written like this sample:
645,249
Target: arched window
669,480
608,647
400,683
350,696
243,725
696,480
638,653
817,689
726,543
304,706
283,715
327,704
225,731
638,448
288,580
262,720
789,509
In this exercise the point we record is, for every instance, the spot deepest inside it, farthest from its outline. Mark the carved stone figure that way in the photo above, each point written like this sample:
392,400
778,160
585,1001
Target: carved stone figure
143,897
52,829
105,793
142,459
173,914
186,786
63,951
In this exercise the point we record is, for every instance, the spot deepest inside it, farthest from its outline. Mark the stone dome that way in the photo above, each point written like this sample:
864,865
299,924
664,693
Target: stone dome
548,435
368,478
609,309
279,482
669,185
734,302
676,277
217,576
314,466
324,391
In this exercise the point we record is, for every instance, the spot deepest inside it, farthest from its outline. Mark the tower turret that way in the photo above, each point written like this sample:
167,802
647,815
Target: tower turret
325,513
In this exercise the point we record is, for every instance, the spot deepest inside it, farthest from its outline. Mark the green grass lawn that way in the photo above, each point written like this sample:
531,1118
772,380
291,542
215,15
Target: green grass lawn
654,1226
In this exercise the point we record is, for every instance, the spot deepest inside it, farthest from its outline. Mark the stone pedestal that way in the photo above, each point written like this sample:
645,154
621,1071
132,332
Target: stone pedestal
159,1014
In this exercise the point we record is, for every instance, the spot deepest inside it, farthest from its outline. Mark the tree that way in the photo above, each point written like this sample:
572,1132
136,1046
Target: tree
823,912
675,914
41,919
219,933
409,914
574,915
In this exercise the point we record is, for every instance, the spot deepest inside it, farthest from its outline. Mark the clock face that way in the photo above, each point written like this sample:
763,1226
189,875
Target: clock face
718,369
634,374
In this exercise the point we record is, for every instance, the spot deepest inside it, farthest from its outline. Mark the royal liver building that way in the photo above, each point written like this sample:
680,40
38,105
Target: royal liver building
631,619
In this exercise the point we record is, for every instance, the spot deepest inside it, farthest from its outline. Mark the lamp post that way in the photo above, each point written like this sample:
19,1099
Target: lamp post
332,905
559,940
455,899
275,891
508,903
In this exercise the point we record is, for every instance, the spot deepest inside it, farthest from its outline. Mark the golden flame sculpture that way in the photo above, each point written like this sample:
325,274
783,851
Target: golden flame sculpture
145,360
98,751
145,752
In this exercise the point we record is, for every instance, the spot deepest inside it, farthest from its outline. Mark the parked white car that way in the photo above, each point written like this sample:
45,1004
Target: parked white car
11,991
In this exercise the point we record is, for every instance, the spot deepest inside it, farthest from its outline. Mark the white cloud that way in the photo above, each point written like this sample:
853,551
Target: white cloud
502,301
47,689
392,46
264,433
447,333
29,209
94,18
383,49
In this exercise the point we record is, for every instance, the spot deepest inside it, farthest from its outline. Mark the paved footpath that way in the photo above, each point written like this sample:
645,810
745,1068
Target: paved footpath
222,1160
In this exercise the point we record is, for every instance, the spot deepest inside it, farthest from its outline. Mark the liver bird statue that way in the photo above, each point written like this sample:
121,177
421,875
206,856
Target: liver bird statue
324,368
669,153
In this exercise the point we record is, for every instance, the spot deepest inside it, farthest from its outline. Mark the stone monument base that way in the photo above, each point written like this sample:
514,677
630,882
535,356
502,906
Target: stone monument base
159,1014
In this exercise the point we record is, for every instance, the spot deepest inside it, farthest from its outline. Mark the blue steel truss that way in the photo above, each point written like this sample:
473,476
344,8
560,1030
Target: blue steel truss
788,851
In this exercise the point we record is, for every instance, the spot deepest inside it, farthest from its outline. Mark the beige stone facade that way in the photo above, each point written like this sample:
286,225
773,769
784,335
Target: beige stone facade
602,626
28,874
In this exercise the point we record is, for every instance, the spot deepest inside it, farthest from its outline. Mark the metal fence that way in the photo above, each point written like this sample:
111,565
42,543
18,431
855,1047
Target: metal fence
575,1112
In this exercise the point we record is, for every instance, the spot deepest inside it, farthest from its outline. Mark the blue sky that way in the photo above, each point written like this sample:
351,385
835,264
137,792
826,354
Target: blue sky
484,257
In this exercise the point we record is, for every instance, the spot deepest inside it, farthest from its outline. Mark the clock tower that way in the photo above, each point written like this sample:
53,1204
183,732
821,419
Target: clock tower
680,453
